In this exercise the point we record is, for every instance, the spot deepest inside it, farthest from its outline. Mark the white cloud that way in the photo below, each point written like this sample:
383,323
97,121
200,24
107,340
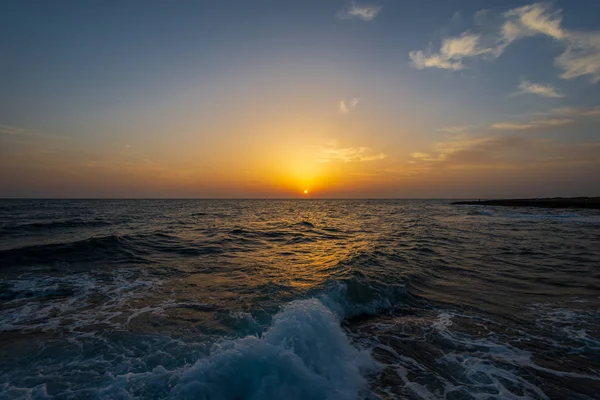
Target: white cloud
364,12
463,46
581,56
532,125
526,87
451,53
332,152
538,18
345,106
422,61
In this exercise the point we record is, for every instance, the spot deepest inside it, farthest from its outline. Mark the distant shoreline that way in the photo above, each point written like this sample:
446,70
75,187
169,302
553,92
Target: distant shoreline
553,202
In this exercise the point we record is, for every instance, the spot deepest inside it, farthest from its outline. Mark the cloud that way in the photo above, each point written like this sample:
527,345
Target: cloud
451,53
345,106
22,133
422,61
426,156
581,56
505,152
575,112
548,119
332,152
526,87
10,130
364,12
530,20
533,125
457,129
537,120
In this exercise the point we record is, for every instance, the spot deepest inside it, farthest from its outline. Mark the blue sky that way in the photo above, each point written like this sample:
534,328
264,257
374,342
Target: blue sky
369,99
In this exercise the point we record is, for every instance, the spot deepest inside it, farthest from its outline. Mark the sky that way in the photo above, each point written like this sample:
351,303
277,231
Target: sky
275,98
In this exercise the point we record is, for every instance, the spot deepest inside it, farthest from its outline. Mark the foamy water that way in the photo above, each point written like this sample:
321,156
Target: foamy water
296,300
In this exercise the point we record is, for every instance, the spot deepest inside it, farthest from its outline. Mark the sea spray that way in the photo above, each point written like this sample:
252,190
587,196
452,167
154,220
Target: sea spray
304,354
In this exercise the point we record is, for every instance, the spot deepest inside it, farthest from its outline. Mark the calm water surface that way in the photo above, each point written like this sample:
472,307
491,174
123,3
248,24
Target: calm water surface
199,299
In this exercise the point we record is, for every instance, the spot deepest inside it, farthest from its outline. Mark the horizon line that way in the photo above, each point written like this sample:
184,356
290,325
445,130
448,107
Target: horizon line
290,198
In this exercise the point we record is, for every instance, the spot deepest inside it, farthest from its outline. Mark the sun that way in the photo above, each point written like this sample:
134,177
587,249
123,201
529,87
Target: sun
305,191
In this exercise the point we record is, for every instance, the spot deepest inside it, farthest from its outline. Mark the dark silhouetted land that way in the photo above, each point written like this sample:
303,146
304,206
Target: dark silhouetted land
554,202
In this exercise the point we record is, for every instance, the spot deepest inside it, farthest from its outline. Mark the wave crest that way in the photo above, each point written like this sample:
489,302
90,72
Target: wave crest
303,354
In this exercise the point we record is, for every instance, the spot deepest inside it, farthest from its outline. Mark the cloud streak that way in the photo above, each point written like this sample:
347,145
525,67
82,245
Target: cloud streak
363,12
581,56
346,106
533,125
331,152
451,54
505,152
527,87
17,132
574,112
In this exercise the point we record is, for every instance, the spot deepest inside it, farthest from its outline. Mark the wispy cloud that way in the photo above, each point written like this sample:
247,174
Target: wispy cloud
505,152
527,87
532,125
457,129
573,112
547,119
364,12
537,120
451,53
427,156
18,132
581,56
331,152
10,130
531,20
347,105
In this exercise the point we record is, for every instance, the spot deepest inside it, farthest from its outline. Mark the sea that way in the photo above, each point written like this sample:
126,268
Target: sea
297,299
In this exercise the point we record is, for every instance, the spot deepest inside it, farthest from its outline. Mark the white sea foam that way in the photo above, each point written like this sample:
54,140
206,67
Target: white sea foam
467,367
48,303
303,354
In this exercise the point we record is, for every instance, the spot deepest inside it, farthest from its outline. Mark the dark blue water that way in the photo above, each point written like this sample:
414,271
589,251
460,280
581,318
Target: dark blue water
198,299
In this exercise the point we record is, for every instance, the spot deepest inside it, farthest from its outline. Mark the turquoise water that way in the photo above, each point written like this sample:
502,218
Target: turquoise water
308,299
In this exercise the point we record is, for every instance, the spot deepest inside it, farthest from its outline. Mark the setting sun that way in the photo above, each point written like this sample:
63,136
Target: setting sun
305,191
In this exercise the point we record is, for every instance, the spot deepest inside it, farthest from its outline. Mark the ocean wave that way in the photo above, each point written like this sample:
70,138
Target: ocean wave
444,356
537,215
304,224
111,247
72,303
44,227
355,296
115,248
304,353
541,216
